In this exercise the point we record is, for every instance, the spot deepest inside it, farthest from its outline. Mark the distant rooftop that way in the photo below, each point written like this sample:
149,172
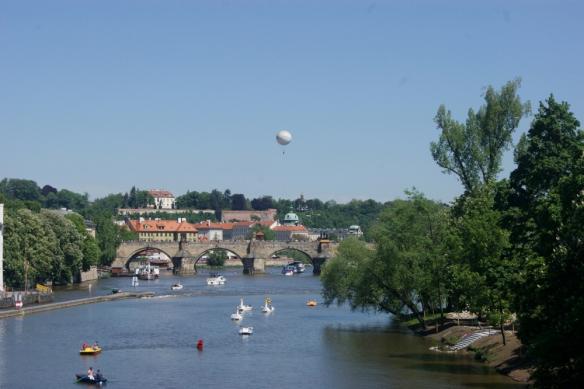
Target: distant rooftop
160,193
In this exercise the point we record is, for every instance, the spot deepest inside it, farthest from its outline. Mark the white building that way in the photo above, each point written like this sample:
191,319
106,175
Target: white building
163,199
208,230
355,230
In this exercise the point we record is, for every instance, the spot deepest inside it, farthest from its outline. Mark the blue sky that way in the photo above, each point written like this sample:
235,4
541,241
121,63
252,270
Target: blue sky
97,96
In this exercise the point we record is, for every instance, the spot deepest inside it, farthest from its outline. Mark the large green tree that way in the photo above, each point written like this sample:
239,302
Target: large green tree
480,267
89,246
403,275
27,248
67,250
546,218
473,150
108,238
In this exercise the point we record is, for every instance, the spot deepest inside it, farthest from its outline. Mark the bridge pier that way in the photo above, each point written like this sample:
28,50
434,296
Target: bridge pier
248,264
317,264
183,266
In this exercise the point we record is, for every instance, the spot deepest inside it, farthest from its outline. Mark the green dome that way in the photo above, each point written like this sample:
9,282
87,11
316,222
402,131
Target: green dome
291,218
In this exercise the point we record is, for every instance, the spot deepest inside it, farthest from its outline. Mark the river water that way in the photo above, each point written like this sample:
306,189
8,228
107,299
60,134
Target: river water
150,343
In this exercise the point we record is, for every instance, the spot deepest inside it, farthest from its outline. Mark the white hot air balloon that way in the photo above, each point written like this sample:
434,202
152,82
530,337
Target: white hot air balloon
283,137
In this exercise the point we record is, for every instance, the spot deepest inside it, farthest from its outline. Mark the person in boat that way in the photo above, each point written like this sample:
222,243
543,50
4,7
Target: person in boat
84,346
95,345
98,376
90,373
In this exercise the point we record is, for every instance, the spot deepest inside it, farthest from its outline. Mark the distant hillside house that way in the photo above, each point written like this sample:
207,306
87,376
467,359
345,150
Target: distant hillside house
164,230
163,199
248,216
287,233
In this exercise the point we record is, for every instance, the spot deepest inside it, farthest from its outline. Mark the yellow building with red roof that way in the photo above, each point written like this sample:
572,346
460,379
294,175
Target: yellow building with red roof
164,230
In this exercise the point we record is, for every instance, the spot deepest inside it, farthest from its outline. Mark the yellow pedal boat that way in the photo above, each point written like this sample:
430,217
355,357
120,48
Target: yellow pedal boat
311,303
90,350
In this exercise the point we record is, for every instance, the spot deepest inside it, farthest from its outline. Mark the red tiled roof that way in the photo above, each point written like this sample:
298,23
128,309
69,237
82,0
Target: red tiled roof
160,193
161,226
214,226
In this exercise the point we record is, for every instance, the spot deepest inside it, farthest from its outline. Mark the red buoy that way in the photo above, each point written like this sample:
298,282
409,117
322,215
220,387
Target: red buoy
200,344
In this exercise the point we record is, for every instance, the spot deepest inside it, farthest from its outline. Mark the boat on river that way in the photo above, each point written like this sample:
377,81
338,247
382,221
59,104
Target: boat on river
84,379
236,315
148,272
216,279
243,307
177,286
246,331
288,270
311,303
90,350
267,307
298,266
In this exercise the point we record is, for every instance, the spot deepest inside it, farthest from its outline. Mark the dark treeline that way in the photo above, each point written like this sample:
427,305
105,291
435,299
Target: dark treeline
503,249
312,212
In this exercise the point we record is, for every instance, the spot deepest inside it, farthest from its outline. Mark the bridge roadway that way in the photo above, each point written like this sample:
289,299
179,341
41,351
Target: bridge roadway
252,253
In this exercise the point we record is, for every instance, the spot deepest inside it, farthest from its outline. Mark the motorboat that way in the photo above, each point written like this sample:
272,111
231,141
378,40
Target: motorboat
148,272
90,350
311,303
298,266
84,379
147,276
243,307
236,315
116,290
216,279
246,331
288,270
176,286
267,307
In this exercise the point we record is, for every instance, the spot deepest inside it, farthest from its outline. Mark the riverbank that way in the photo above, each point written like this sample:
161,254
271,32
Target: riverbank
507,359
71,303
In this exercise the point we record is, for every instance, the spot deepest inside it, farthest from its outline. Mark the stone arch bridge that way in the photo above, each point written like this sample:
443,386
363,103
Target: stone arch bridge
252,254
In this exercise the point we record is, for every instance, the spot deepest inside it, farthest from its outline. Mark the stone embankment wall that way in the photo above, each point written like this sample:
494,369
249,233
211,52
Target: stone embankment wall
89,275
71,303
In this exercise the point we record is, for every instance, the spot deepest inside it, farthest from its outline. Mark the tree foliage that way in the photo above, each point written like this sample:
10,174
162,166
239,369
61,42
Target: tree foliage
399,276
473,150
546,218
44,247
217,258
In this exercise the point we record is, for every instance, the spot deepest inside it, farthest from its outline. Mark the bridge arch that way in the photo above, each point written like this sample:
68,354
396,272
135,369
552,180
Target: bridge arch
200,255
136,253
307,257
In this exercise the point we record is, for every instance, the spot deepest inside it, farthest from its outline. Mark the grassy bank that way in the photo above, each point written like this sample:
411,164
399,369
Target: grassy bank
507,359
